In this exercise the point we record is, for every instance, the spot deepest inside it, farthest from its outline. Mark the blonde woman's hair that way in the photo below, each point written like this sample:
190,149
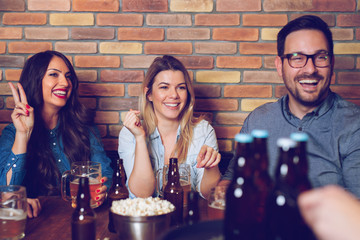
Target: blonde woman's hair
187,119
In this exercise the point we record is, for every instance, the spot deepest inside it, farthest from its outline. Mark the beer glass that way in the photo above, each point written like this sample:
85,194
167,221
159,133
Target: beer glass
13,211
216,203
185,179
70,181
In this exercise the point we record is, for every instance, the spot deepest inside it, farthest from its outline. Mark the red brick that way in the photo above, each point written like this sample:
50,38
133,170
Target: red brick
89,102
344,63
197,62
118,103
207,91
12,74
109,19
76,47
114,131
257,48
49,5
358,62
215,48
12,61
92,33
138,61
230,118
12,5
5,116
45,33
107,117
102,130
238,5
97,61
333,6
110,144
357,102
4,89
358,34
168,48
141,34
217,19
348,20
342,34
280,91
2,47
10,104
145,6
235,34
238,62
87,75
134,90
348,77
248,91
24,19
262,77
347,92
95,5
216,105
226,132
269,62
99,89
168,20
188,33
10,33
29,47
1,102
328,18
121,76
264,20
304,6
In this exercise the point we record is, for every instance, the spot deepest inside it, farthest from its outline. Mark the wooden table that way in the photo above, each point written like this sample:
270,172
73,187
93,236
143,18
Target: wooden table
54,221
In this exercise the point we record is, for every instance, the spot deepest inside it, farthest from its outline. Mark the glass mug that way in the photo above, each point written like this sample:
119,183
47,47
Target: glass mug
13,212
216,203
70,180
185,179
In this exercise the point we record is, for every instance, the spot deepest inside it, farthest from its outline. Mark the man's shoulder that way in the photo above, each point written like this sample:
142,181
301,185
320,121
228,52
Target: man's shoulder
268,109
346,107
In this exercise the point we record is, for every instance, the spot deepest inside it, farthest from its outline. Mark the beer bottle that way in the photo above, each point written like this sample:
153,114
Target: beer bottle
262,178
192,213
83,225
301,161
118,189
241,195
284,220
174,193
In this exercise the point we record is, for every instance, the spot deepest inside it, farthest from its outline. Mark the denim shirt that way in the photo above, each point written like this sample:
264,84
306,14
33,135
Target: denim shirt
203,134
17,162
334,139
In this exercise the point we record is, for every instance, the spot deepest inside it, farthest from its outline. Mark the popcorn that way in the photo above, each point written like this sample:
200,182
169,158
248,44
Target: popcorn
142,207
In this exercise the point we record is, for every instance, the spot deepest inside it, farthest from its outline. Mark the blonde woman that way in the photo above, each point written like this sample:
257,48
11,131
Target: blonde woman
168,129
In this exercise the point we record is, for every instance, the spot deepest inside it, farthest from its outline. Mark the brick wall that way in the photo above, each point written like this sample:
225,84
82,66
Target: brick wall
228,46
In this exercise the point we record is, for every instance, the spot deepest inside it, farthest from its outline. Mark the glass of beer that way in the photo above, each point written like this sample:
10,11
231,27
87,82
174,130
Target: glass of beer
70,181
13,211
185,179
216,203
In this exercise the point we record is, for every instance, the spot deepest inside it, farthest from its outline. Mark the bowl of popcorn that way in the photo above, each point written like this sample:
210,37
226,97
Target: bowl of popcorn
141,218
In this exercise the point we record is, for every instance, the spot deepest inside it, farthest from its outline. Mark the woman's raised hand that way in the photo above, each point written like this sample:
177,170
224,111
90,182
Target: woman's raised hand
133,123
23,114
208,157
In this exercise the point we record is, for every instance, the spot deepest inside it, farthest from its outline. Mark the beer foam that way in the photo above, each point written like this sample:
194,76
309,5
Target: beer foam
139,207
12,214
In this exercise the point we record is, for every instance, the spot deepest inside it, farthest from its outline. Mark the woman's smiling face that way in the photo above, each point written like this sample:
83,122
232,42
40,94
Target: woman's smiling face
169,95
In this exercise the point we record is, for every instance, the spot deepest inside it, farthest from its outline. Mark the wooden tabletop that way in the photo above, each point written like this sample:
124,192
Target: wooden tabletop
54,221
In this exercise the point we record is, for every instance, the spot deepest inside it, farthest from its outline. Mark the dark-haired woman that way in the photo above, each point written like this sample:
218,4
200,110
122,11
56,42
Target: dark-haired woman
50,130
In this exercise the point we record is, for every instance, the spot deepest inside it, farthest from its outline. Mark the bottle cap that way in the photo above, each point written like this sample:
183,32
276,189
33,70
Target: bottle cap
260,133
285,143
299,136
243,138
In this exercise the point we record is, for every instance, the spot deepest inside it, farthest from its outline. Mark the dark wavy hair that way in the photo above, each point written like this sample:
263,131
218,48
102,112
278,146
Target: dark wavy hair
304,22
42,174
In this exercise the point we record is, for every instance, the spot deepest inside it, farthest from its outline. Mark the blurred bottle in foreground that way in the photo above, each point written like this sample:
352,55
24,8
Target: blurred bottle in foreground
284,221
242,198
118,189
192,213
174,193
83,225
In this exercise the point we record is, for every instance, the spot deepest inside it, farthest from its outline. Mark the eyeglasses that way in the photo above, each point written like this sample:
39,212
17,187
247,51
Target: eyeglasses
299,60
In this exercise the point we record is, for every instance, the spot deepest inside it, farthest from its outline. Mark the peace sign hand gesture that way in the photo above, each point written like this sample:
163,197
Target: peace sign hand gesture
23,114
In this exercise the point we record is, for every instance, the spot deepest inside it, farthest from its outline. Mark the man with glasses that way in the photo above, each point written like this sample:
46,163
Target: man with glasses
305,61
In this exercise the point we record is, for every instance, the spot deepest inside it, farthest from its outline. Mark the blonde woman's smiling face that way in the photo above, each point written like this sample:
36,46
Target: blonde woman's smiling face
168,95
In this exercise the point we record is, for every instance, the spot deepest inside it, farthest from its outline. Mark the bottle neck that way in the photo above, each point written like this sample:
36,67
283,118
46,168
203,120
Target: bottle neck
243,161
83,196
173,174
